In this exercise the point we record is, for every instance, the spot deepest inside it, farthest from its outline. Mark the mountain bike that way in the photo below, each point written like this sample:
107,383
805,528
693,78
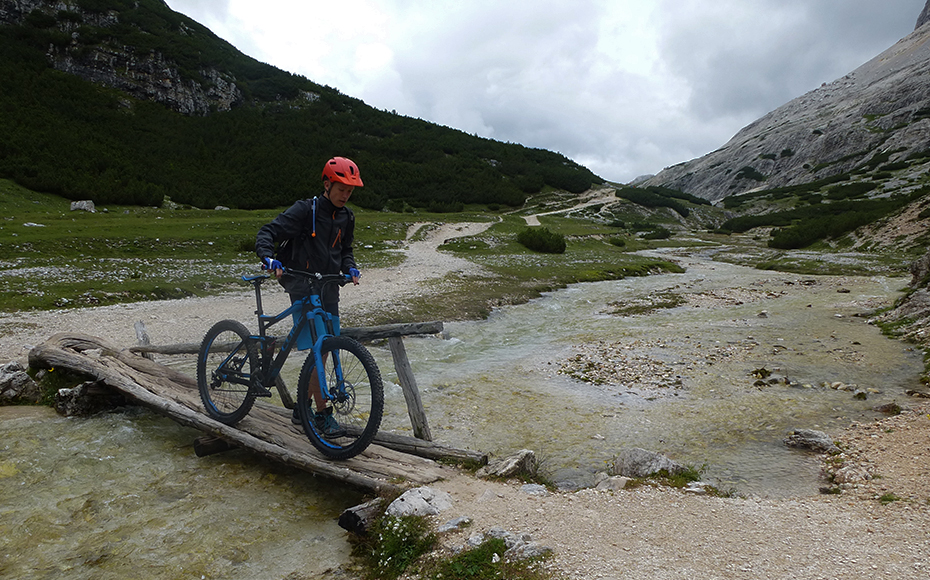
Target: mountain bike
235,367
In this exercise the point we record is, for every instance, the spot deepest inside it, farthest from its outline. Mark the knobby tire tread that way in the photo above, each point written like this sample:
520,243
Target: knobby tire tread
240,401
352,354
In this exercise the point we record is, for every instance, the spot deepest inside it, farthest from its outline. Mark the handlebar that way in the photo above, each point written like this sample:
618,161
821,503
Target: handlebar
322,279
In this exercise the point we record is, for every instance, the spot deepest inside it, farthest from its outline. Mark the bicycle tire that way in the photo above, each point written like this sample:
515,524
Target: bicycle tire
358,401
226,352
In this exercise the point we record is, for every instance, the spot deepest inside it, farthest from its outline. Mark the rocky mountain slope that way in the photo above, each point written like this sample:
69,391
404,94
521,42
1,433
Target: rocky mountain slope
144,75
883,107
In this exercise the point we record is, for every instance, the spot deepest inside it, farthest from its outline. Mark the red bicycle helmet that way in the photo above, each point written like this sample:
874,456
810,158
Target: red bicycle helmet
342,170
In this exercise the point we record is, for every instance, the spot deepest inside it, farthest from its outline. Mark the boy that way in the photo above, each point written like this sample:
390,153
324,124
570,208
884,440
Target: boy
322,231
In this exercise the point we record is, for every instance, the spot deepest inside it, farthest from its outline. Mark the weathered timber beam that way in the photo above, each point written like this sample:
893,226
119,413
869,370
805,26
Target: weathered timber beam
428,449
408,384
369,333
361,334
359,518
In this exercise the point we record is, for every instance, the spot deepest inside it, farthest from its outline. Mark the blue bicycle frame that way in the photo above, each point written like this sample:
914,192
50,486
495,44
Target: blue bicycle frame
324,325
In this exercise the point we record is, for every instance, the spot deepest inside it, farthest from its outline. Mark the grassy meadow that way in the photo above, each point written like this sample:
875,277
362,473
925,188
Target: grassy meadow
52,257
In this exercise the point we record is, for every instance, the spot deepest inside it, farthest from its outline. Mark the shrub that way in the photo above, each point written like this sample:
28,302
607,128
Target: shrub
850,190
542,240
652,198
659,233
748,172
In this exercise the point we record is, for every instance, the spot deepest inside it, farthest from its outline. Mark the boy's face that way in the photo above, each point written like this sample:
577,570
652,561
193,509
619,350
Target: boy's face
339,193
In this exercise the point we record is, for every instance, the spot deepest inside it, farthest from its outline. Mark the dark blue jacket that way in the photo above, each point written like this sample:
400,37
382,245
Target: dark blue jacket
329,251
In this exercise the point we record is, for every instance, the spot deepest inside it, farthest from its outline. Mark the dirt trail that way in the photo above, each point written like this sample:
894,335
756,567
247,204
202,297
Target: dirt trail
422,265
593,197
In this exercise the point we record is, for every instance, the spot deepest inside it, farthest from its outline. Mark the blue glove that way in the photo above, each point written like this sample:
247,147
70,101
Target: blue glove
354,272
271,264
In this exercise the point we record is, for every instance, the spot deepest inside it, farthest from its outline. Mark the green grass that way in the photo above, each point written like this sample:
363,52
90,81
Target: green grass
888,498
396,546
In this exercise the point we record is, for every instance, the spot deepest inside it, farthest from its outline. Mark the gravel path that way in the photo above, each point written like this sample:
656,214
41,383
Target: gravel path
641,533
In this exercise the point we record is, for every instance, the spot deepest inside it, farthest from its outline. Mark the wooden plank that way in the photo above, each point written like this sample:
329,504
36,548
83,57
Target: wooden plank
369,333
408,384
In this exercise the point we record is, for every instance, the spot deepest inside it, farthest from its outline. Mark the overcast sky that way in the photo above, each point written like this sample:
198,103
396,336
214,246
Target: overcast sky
624,87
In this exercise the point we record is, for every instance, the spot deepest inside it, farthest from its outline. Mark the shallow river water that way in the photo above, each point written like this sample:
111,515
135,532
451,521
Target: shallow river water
122,494
676,381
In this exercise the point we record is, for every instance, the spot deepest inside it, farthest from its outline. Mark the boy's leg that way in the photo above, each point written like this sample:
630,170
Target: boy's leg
324,414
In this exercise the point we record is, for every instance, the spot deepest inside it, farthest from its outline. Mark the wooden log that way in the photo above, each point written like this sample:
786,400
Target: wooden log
361,334
181,348
211,445
370,333
429,450
359,518
142,336
408,384
286,399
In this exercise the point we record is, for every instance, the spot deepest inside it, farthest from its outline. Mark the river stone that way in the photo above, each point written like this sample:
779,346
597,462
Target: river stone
88,398
523,462
519,546
16,384
636,462
422,501
851,474
615,483
455,524
810,439
534,489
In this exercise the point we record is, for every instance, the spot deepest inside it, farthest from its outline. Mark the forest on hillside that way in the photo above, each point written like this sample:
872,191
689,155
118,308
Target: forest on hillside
65,135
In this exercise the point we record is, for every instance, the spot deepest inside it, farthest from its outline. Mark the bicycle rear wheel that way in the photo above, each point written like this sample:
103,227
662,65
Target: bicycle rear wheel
356,395
226,365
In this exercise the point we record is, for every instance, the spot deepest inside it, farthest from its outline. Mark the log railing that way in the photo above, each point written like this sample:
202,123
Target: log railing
394,334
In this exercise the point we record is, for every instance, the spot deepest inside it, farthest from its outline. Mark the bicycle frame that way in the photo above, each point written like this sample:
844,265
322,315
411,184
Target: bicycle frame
324,325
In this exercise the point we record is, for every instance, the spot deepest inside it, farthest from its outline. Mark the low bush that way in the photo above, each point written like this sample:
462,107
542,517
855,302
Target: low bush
540,239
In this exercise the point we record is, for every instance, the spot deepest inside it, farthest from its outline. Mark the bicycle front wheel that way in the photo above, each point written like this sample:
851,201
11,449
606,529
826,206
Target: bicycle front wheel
226,365
356,396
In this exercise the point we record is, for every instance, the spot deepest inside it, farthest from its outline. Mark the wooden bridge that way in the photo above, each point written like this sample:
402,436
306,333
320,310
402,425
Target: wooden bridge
391,462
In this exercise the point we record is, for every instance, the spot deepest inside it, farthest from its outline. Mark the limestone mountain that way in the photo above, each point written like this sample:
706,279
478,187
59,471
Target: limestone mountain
880,112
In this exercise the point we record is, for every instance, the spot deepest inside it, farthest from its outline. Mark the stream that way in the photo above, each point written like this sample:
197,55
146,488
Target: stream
677,381
576,376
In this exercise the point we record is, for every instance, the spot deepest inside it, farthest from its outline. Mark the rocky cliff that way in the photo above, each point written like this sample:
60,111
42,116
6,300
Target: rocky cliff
145,74
924,16
883,106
